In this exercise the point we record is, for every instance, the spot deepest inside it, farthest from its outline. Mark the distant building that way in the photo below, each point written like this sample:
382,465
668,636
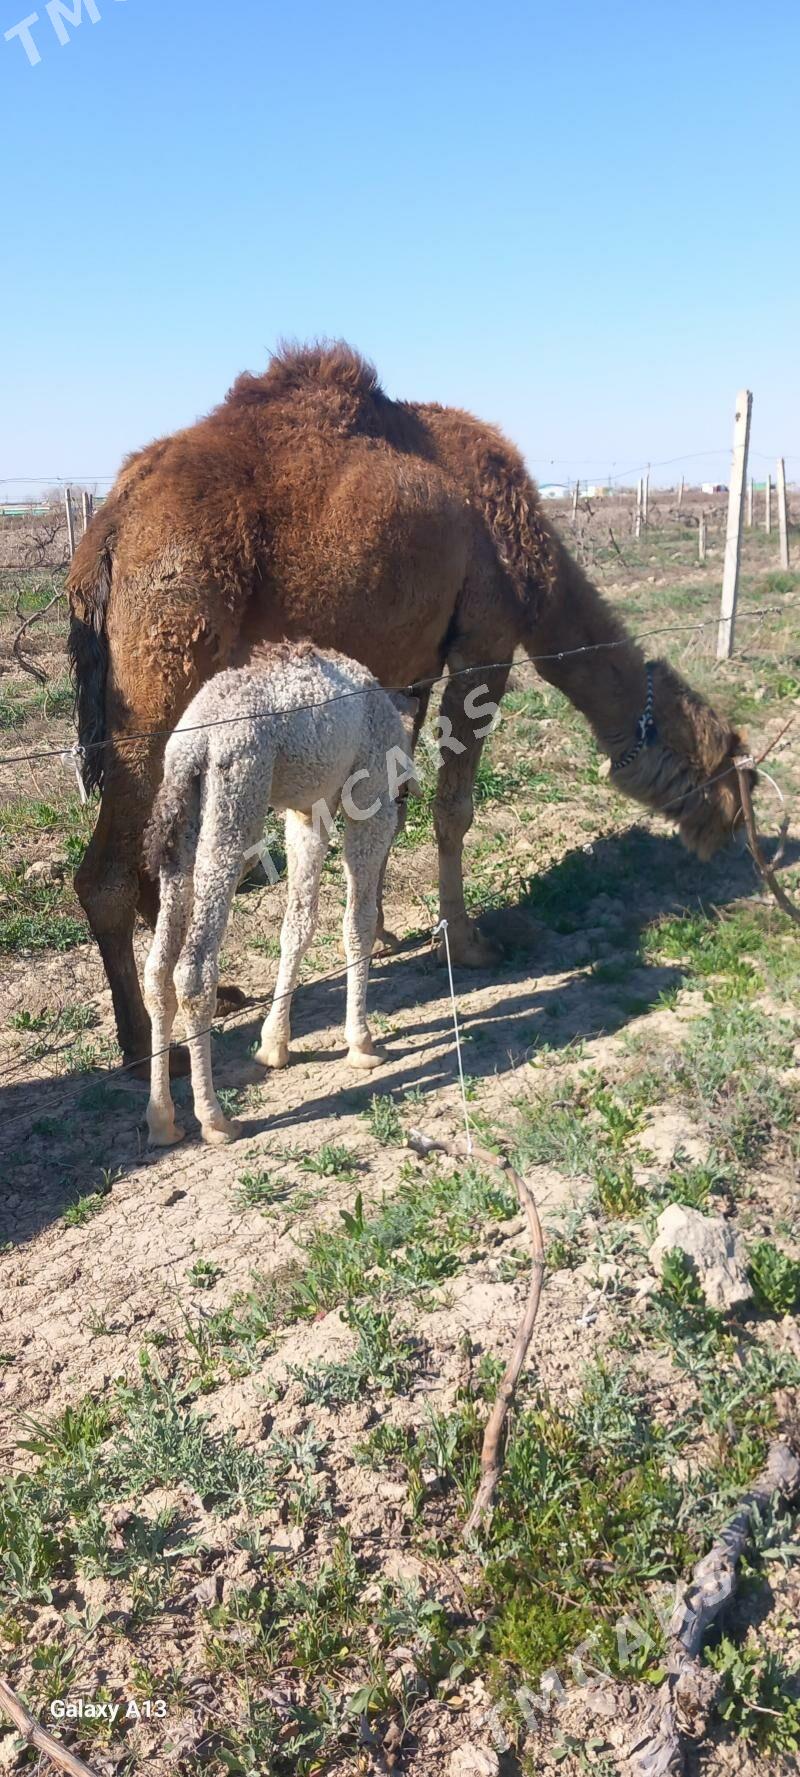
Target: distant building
553,490
713,487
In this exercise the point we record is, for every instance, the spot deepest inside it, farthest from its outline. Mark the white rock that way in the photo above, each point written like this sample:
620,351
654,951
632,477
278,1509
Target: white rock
473,1761
42,871
718,1256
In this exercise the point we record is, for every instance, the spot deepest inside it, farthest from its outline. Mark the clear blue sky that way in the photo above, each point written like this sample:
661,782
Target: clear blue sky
578,220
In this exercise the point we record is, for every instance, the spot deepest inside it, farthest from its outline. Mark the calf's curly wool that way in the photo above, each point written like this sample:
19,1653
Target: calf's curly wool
297,729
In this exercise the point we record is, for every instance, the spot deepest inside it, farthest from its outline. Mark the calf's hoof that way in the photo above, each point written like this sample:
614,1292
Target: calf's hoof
217,1135
273,1053
365,1059
164,1135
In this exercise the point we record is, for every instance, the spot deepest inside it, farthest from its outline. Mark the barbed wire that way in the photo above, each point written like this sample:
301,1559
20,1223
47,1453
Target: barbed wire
749,614
253,1004
109,1074
541,457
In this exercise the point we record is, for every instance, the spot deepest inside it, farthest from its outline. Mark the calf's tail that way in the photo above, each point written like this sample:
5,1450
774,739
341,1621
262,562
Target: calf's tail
173,829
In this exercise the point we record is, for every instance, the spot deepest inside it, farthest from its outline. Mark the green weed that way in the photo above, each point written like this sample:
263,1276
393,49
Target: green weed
384,1120
775,1278
203,1274
32,917
332,1161
383,1359
760,1698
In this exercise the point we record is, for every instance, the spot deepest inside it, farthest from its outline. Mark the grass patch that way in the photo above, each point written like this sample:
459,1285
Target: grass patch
383,1359
332,1161
583,1128
32,917
760,1696
726,1074
261,1190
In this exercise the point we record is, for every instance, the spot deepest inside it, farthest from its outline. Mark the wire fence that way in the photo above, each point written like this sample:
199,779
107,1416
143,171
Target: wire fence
109,1075
253,1003
758,615
51,540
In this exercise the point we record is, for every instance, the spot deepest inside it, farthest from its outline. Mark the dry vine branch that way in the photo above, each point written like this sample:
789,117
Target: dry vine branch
28,666
38,1736
765,870
491,1459
614,544
685,1700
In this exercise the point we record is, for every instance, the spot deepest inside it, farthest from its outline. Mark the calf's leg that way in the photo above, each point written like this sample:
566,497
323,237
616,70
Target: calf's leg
162,1002
366,845
305,855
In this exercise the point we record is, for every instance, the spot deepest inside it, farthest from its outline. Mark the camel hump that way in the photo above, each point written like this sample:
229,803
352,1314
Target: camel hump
329,366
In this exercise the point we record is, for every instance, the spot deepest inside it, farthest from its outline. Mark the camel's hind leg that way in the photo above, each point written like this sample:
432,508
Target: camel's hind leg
151,678
465,721
366,846
108,885
306,848
162,1002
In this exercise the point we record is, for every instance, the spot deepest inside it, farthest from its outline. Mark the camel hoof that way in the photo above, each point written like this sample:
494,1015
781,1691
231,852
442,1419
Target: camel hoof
273,1055
364,1060
165,1135
217,1135
470,950
386,944
179,1065
231,998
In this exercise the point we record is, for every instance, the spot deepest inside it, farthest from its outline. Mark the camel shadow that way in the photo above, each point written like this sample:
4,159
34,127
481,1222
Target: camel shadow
573,969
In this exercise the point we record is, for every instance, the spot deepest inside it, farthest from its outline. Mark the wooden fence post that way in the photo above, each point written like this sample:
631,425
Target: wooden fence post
70,522
87,511
701,538
637,529
680,495
575,501
783,516
768,505
646,497
733,534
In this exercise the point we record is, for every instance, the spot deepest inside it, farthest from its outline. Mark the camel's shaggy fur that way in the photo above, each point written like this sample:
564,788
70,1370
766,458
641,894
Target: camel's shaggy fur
246,744
410,537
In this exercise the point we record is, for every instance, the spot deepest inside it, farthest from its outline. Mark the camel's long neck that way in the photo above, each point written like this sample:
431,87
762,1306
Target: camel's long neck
608,682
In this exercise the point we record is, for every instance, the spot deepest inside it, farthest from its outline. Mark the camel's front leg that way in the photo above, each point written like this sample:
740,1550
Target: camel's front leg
465,719
386,943
306,847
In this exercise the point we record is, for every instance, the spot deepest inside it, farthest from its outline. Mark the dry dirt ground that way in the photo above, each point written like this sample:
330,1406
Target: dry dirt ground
242,1390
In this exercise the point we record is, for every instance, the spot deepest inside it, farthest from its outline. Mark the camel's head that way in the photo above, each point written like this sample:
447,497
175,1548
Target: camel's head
682,762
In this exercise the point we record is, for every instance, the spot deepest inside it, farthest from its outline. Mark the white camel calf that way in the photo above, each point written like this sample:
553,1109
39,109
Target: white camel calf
244,745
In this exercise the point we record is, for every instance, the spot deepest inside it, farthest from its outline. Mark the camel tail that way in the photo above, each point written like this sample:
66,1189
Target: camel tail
174,827
89,589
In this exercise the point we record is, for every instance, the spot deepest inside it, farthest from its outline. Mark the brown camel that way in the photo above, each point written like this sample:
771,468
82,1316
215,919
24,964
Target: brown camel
408,536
